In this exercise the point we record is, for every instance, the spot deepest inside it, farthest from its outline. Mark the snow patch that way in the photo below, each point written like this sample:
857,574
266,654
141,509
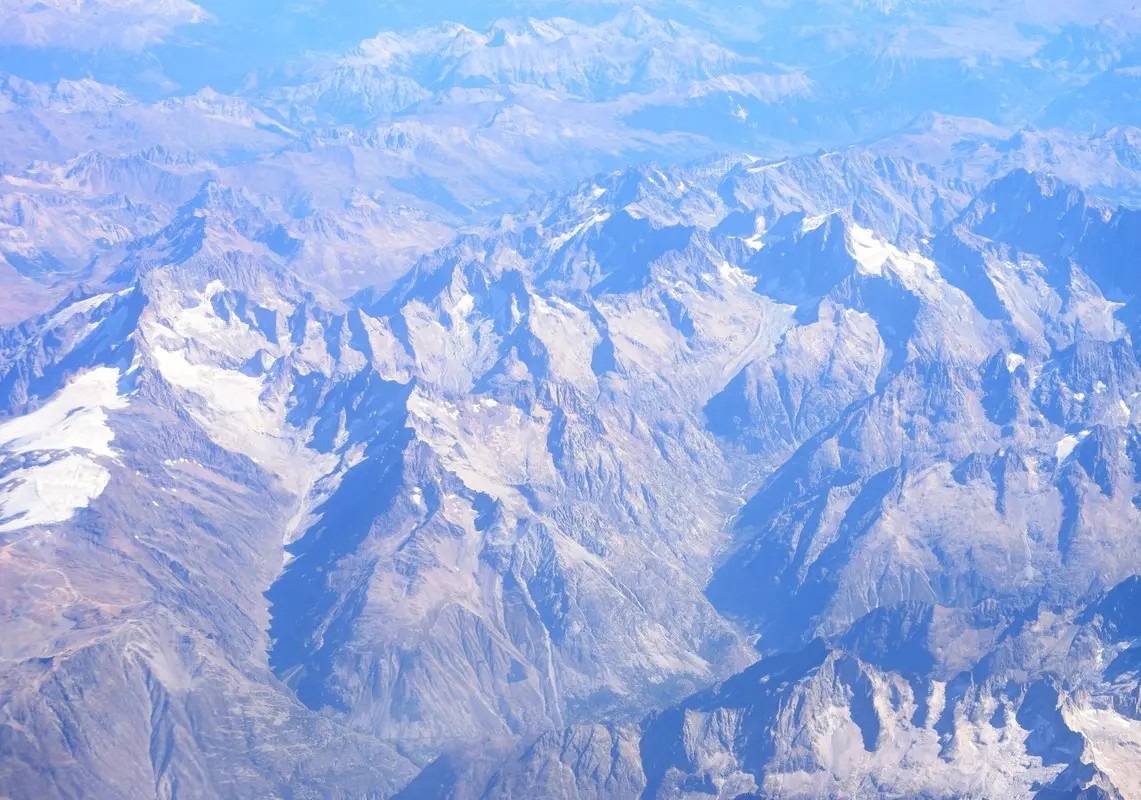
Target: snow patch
875,257
228,391
870,253
1125,410
73,428
75,419
65,315
754,242
735,275
50,493
558,241
1067,444
753,170
464,305
813,222
200,320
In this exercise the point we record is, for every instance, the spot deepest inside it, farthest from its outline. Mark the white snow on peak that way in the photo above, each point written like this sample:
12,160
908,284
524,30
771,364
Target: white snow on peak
63,316
49,493
226,391
558,241
464,305
811,223
569,337
735,275
755,242
492,450
870,253
1014,361
197,352
84,306
757,168
200,320
1068,443
876,257
75,419
214,287
1124,412
71,430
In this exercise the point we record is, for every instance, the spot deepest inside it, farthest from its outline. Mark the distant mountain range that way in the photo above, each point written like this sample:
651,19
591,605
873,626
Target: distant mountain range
377,156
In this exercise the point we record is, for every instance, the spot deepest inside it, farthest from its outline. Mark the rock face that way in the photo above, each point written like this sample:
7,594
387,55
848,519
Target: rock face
459,537
953,487
135,623
856,719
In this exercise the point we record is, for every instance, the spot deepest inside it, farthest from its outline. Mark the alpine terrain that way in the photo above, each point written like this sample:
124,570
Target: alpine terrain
536,400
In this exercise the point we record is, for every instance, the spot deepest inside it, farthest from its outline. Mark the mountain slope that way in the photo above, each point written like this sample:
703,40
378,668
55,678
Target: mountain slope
581,467
940,560
134,660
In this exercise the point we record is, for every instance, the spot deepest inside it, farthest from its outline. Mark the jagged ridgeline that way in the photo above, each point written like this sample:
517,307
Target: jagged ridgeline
804,479
508,399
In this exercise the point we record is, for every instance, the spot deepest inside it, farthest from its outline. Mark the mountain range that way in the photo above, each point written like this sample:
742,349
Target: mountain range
608,405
